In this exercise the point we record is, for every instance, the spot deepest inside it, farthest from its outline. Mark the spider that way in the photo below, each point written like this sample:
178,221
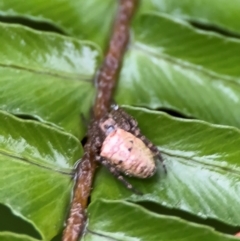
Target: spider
120,146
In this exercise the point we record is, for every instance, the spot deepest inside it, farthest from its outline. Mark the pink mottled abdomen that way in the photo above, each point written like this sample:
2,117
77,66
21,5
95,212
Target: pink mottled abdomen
128,154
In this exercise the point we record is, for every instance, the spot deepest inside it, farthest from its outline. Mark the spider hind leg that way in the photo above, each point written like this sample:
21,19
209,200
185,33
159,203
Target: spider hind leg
159,157
117,174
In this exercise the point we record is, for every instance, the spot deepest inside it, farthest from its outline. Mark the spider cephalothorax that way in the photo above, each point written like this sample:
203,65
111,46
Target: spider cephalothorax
124,149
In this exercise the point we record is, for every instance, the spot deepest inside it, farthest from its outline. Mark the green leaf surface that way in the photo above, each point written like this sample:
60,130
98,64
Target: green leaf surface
47,53
161,35
202,162
8,236
88,20
47,76
222,14
95,237
181,69
123,221
49,99
36,172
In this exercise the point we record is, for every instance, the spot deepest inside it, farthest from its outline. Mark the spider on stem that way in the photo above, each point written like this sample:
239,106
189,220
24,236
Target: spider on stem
120,146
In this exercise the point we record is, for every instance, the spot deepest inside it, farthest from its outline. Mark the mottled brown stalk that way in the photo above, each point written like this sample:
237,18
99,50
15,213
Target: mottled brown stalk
106,81
77,216
107,77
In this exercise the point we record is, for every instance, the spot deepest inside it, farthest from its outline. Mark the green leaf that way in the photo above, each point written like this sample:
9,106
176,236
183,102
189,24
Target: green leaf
222,14
202,168
95,237
129,222
8,236
181,69
88,20
49,78
179,41
36,172
47,53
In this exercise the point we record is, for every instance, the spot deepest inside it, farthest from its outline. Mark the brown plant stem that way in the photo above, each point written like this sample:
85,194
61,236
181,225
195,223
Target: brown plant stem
106,81
107,77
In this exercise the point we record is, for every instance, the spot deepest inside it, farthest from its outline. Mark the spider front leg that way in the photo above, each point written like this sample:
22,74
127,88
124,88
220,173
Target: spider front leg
117,174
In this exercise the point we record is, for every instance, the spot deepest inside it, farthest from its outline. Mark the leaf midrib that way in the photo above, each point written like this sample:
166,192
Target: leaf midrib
37,164
211,165
83,78
138,46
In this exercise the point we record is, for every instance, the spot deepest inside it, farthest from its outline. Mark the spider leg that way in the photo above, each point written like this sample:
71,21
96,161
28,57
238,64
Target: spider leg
159,156
123,120
115,172
126,117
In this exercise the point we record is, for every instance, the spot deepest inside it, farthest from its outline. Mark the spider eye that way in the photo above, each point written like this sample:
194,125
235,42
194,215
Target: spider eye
109,129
